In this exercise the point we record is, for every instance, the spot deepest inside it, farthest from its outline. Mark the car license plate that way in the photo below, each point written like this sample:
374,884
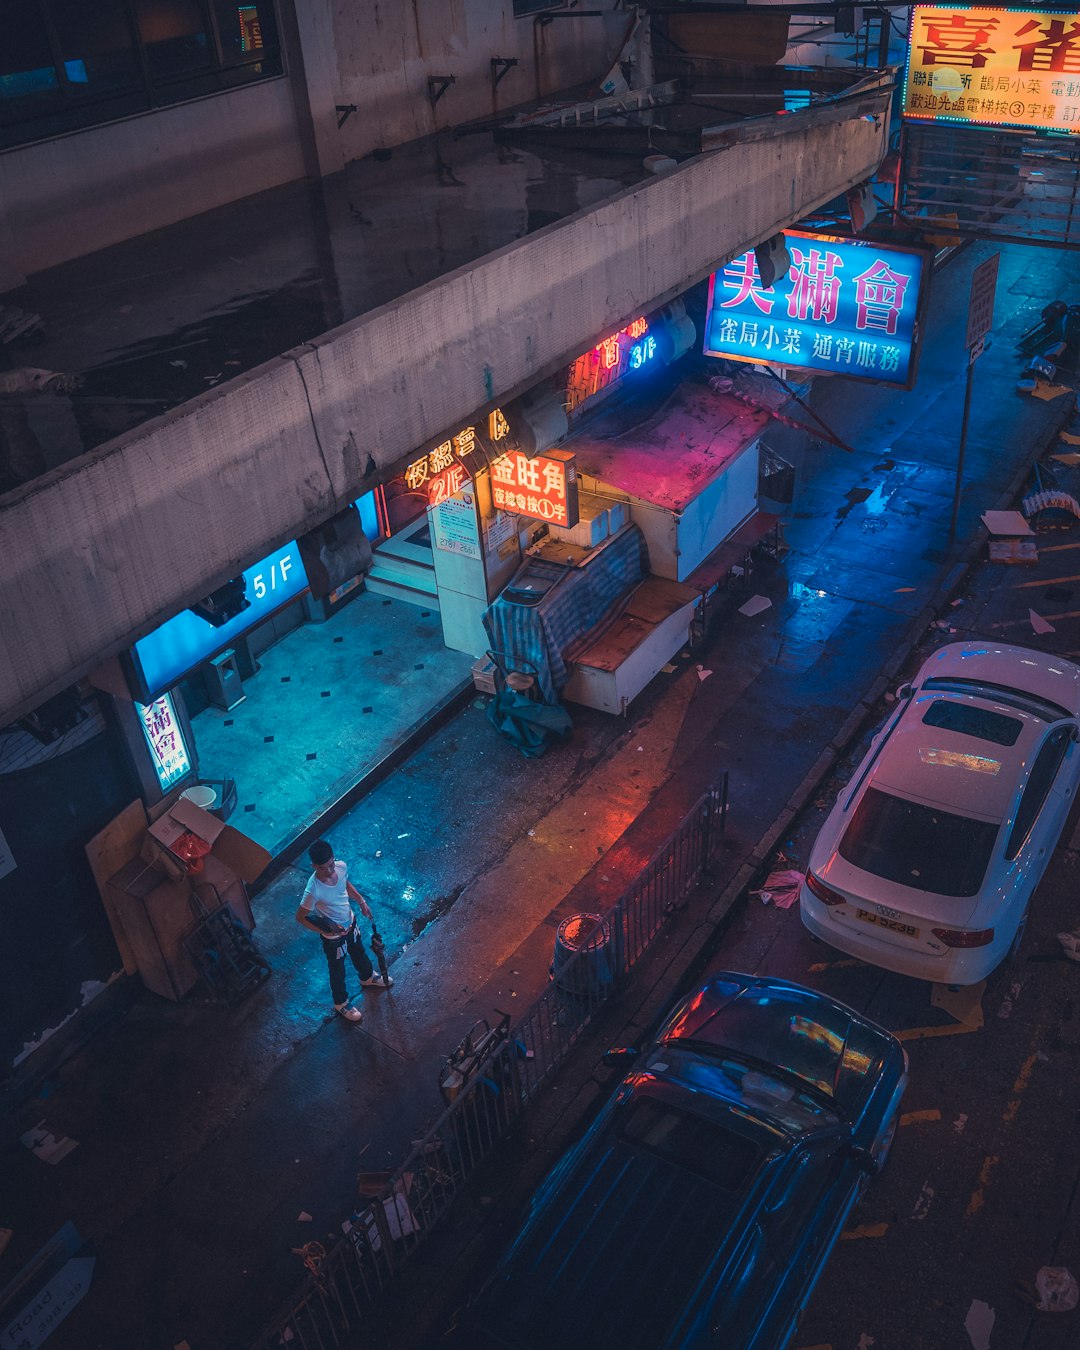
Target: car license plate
893,925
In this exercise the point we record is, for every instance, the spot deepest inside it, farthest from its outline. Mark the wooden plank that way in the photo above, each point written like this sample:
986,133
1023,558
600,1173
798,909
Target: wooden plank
106,853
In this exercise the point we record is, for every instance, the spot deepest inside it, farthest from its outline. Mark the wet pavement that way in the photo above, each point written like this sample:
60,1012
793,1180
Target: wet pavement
203,1134
153,322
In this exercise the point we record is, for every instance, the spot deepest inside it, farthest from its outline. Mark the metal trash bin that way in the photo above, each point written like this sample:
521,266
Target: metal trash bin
593,976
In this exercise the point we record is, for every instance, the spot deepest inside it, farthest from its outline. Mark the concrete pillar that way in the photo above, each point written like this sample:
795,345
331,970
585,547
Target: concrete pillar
307,32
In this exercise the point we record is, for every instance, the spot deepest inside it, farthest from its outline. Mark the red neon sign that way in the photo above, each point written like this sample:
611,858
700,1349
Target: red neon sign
543,488
608,361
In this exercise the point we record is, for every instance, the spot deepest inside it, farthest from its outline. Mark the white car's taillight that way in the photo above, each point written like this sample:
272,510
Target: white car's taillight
964,937
824,893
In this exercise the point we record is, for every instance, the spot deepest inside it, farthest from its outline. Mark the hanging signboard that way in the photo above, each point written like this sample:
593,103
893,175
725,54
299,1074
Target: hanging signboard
445,469
544,487
165,737
847,306
166,655
992,67
631,348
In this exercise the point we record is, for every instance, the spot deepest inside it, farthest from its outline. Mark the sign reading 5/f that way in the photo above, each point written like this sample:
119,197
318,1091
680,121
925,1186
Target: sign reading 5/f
264,583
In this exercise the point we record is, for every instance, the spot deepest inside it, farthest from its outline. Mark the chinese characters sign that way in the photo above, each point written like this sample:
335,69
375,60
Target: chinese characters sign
165,739
544,488
994,67
846,306
629,349
441,473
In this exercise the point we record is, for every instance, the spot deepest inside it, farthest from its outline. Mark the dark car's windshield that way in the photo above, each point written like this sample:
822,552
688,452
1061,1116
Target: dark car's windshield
917,845
728,1160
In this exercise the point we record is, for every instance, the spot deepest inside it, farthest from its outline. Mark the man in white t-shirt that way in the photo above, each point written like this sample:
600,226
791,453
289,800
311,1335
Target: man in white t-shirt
326,910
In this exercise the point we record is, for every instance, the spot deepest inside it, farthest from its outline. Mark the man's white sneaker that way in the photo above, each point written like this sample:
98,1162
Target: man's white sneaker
378,982
349,1013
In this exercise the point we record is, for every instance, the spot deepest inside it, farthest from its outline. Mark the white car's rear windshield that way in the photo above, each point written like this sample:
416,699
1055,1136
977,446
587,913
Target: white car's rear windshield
920,846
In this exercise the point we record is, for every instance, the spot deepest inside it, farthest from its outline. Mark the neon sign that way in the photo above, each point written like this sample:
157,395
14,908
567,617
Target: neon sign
847,306
164,736
543,488
166,655
440,472
629,349
986,66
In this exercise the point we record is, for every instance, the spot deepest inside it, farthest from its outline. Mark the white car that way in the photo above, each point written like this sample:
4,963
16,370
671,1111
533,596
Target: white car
927,862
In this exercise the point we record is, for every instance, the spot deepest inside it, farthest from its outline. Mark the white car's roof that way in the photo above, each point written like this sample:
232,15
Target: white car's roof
1047,677
954,770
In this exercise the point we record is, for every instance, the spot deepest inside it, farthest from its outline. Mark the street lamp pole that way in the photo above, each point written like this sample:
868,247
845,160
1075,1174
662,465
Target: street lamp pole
963,447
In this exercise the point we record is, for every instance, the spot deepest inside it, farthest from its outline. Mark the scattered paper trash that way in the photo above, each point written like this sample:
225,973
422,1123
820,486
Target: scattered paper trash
979,1323
1039,624
781,888
1006,522
669,669
702,673
755,605
1057,1290
46,1146
1070,943
303,1217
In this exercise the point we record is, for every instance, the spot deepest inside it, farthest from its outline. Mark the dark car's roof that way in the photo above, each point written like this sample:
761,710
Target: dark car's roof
811,1037
625,1234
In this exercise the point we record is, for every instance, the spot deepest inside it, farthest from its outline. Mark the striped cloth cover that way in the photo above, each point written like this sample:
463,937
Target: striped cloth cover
534,638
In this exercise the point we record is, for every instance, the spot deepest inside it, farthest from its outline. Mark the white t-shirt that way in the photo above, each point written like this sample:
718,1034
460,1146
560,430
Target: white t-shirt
330,898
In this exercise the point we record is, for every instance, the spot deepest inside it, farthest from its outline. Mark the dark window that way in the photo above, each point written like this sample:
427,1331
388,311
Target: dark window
29,83
970,720
173,35
97,46
728,1160
916,845
1040,780
66,64
535,6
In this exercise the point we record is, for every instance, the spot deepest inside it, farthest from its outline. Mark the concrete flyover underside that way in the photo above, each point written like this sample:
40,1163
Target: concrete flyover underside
110,545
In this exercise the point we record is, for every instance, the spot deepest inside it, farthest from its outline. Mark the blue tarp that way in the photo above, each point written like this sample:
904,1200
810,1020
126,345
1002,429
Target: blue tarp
535,637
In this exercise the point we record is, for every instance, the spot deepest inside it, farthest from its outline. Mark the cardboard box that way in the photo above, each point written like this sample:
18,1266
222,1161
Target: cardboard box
483,674
592,526
233,851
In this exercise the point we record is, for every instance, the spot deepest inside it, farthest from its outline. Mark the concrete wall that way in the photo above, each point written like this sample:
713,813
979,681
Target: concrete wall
69,196
387,52
111,544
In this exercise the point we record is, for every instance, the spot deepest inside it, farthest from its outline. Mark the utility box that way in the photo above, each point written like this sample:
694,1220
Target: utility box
224,687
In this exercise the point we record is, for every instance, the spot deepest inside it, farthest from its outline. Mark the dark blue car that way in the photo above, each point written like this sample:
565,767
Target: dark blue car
703,1203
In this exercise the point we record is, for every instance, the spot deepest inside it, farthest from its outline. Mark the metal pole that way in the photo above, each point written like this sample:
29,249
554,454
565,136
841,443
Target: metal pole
963,446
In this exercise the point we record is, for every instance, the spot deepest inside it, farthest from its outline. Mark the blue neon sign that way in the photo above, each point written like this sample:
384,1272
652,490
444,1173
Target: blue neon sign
170,652
847,306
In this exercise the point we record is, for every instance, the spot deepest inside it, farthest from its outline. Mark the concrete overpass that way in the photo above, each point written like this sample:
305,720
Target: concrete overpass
103,549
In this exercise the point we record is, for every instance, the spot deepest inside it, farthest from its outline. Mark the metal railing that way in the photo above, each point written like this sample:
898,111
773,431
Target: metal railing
405,1206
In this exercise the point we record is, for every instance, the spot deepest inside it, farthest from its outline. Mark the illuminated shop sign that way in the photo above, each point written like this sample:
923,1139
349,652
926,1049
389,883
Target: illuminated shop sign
250,28
848,306
994,67
440,473
164,736
544,488
629,349
170,652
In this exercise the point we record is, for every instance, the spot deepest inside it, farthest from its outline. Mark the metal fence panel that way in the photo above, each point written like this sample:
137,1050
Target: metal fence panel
383,1234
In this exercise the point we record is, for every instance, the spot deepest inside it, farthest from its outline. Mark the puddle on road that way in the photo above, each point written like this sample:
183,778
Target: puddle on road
875,500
